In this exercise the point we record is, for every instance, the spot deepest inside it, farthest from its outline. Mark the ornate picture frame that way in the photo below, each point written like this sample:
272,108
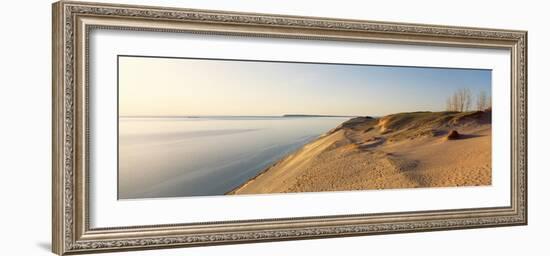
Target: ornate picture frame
72,23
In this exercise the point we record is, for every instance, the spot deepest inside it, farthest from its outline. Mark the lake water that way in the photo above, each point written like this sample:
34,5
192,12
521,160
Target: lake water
203,156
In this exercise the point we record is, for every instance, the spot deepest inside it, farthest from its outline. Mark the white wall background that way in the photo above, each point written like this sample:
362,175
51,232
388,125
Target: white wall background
25,100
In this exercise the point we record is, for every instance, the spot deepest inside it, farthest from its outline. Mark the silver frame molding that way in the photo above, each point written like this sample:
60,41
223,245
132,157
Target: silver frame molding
72,22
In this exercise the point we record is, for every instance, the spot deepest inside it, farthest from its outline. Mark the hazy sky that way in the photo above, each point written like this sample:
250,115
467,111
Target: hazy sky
162,86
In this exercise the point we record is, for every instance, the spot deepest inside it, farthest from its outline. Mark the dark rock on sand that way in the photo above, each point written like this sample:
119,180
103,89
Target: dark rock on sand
453,135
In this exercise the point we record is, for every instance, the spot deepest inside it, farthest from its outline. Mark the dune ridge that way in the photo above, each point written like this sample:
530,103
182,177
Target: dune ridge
405,150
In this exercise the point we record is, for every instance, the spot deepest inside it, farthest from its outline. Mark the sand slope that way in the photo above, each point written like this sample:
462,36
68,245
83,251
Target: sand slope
397,151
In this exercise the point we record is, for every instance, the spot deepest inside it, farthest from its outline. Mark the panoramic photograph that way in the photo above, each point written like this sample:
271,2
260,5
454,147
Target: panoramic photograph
212,127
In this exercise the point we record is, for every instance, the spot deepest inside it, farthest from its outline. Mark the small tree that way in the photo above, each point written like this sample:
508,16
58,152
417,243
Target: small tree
467,98
460,101
451,103
482,101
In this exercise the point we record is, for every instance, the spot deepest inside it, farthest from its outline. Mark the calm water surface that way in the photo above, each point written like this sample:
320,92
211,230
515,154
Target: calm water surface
202,156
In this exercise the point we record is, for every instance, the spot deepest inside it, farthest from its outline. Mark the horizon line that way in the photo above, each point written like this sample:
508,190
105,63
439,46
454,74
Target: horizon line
282,115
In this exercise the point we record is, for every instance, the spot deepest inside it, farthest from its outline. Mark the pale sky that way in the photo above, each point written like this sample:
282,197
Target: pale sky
167,86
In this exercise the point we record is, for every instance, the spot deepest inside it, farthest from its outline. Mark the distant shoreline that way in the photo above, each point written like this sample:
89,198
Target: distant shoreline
303,115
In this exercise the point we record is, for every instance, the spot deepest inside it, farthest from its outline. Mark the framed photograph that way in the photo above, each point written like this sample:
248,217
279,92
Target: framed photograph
179,127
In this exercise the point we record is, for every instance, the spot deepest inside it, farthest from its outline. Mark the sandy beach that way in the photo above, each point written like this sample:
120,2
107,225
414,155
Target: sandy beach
405,150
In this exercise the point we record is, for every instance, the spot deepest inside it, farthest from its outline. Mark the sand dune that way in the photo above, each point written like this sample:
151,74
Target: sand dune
405,150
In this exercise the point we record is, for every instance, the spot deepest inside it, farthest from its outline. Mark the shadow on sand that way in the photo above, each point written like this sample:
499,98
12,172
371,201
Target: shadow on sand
468,136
